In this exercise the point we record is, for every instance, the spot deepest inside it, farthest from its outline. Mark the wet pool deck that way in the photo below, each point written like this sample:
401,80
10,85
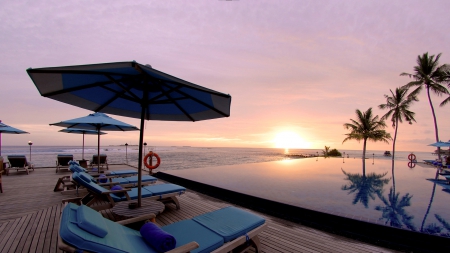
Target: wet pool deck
30,212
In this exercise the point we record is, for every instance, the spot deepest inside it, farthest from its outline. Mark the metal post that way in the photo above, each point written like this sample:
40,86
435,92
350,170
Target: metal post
317,157
145,145
30,143
343,158
126,152
373,158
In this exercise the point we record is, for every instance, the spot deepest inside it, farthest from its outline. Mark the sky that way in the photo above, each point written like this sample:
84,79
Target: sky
296,70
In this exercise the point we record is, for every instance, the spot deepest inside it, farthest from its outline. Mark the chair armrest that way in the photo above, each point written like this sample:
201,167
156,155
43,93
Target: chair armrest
136,219
185,248
76,200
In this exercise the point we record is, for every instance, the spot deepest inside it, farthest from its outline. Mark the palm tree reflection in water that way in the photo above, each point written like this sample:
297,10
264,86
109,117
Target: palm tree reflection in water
393,210
365,186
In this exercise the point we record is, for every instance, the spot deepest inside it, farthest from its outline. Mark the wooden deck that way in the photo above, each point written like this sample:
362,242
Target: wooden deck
30,212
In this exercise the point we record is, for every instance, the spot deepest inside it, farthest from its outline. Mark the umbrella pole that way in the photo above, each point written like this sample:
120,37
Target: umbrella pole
82,151
141,140
98,150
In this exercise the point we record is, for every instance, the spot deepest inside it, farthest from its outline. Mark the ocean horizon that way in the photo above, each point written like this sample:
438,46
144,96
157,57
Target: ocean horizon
186,157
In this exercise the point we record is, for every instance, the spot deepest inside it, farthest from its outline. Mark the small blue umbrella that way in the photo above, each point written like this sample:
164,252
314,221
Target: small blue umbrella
80,131
440,144
97,121
5,129
132,90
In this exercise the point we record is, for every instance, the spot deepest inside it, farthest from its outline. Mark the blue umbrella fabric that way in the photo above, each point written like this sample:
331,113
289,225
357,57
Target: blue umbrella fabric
80,131
96,121
132,90
5,129
440,144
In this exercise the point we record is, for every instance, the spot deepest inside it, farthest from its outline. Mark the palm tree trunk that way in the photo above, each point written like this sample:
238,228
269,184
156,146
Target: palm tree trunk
429,204
364,158
393,153
435,121
393,143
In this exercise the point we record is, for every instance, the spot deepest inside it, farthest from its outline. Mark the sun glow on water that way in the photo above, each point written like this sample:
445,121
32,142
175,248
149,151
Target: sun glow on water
288,140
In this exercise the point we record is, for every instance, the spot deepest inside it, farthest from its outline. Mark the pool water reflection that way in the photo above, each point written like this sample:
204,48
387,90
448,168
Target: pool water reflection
405,197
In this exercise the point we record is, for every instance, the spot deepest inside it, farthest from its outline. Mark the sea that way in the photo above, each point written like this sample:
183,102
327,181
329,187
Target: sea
187,157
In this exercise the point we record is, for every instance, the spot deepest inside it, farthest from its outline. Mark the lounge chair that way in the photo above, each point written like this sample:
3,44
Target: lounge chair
66,185
166,193
19,162
103,161
223,230
62,161
75,167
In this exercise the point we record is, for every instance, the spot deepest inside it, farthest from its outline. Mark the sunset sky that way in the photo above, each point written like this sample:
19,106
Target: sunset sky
296,70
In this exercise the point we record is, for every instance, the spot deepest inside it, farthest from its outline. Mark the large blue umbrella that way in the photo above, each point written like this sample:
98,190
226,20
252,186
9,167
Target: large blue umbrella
133,90
80,131
5,129
96,121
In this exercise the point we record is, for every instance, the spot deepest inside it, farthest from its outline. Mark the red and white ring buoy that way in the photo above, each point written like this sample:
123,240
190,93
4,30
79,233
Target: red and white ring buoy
412,157
150,155
411,165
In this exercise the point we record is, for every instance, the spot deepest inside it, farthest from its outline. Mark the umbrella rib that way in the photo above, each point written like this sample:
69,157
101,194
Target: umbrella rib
202,103
177,105
117,94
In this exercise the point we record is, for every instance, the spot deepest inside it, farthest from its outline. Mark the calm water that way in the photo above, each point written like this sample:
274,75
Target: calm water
404,197
174,158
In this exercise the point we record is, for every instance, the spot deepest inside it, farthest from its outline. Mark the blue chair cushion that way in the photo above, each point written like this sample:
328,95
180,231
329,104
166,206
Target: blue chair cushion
120,239
86,177
186,231
145,178
91,221
159,239
133,193
123,172
160,189
230,222
120,180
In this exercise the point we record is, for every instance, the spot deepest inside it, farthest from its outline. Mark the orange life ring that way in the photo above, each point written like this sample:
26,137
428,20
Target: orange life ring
150,155
412,157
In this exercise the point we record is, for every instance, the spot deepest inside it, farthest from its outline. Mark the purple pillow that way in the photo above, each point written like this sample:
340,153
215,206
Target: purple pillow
102,178
117,188
159,239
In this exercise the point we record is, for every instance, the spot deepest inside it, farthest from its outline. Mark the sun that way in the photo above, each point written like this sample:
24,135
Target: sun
289,140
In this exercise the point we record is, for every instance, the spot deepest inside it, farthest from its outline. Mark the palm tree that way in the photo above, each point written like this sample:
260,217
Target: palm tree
325,151
433,77
366,127
398,106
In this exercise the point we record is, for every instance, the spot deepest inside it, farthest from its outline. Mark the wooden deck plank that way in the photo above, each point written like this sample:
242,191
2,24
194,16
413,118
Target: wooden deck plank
18,234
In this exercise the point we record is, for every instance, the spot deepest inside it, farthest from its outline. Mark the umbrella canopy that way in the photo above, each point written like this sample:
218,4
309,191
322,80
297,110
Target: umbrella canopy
440,144
96,121
80,131
132,90
5,129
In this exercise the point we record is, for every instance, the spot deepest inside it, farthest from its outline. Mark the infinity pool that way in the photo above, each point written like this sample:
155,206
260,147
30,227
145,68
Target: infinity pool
408,198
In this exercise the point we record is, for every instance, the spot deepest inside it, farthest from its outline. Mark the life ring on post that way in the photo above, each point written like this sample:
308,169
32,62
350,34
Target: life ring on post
146,159
411,164
412,157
